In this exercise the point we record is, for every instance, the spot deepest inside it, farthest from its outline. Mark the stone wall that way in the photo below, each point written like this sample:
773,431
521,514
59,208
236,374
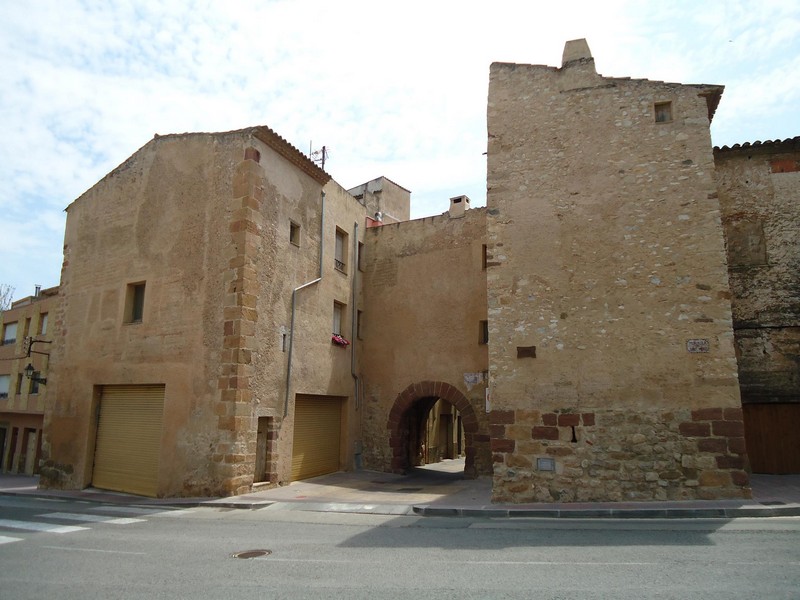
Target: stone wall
759,186
608,297
612,455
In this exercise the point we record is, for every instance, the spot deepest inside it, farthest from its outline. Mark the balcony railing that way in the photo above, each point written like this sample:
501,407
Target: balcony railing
338,264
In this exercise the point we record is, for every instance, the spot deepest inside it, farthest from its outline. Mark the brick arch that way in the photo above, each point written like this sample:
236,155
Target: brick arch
431,389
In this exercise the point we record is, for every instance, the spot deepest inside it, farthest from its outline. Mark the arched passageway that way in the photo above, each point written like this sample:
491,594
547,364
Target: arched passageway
408,418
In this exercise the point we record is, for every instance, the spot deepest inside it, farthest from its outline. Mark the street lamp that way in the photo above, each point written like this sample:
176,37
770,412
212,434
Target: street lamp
29,373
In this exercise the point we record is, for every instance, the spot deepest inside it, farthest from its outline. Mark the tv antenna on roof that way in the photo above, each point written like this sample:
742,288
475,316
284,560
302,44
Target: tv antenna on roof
318,156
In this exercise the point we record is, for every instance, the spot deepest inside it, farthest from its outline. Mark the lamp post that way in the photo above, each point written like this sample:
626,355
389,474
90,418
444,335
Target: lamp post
29,373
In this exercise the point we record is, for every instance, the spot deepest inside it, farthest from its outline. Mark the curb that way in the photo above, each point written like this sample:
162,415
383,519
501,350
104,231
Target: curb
611,513
423,510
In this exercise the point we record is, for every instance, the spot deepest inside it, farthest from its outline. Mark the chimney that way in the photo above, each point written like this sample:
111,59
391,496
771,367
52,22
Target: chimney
575,50
458,204
38,289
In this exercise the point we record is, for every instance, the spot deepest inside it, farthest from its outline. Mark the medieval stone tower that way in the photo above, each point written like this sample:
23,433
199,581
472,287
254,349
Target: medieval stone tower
612,367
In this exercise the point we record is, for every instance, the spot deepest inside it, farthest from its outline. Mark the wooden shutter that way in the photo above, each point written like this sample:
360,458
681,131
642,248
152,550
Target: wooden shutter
128,444
317,436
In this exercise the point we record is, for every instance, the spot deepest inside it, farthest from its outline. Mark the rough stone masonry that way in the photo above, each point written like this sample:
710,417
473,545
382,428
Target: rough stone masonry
612,368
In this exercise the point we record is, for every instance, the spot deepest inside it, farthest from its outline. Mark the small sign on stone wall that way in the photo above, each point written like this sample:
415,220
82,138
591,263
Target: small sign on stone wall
695,346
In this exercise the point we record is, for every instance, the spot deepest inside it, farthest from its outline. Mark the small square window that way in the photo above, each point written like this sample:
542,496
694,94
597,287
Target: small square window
294,233
134,303
483,334
663,111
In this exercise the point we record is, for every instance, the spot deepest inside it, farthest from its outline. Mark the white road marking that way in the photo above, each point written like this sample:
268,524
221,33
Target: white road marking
129,510
91,550
474,562
10,503
90,518
48,527
172,513
8,540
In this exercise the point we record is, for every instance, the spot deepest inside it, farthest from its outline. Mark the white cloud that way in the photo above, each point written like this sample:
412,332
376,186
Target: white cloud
396,90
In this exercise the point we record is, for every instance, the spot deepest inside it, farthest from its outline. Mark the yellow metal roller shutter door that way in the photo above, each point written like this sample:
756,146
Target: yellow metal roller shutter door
129,439
317,433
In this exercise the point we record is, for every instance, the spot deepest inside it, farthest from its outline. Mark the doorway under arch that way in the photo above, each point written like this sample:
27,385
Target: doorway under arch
412,405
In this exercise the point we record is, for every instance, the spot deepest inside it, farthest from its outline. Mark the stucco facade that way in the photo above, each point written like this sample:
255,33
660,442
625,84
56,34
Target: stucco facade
425,293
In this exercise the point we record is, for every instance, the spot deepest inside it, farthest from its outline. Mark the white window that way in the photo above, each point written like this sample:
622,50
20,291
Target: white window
10,333
338,314
43,324
5,381
340,256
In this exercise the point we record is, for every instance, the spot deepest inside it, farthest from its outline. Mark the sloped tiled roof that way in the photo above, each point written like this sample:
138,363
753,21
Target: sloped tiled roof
773,145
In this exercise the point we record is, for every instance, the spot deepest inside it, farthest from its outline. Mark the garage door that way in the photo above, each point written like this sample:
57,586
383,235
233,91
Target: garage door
129,439
772,433
317,433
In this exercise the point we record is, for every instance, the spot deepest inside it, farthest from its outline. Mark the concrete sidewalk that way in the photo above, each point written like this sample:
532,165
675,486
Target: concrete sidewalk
440,490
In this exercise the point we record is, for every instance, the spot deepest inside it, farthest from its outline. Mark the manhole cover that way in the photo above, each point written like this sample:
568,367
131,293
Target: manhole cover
251,553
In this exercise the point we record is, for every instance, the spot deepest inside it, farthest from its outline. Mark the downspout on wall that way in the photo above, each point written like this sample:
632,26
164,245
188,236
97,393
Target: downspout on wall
294,305
354,316
353,336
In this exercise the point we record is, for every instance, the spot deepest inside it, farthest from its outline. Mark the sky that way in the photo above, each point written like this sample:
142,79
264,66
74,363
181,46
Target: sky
395,89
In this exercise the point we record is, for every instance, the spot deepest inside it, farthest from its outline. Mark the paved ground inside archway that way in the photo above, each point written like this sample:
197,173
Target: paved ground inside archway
421,485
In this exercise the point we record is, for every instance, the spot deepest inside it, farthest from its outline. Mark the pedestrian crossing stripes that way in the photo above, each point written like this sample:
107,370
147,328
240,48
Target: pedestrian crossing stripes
7,540
87,518
37,526
63,522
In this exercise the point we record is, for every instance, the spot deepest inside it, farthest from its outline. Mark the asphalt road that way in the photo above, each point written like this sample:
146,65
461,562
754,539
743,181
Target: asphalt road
69,549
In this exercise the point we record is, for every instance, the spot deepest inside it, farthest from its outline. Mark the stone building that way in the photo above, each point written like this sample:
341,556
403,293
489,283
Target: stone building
759,187
611,358
202,281
230,317
26,343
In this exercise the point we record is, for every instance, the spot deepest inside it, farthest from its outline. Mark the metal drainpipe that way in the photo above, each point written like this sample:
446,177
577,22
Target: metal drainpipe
294,304
353,316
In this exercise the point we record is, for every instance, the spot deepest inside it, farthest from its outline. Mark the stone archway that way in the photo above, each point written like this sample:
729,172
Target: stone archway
434,389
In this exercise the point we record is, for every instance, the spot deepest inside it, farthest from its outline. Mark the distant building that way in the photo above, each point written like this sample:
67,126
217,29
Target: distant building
231,318
26,329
